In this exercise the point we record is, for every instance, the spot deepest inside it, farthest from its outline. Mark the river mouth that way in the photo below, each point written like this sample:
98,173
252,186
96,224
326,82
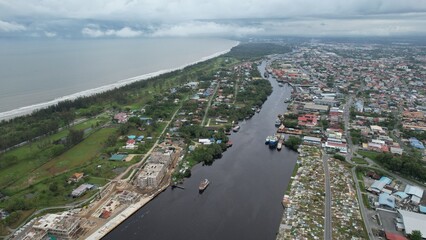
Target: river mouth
243,199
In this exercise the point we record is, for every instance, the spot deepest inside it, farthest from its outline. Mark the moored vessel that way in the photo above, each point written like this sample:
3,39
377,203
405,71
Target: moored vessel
277,122
236,128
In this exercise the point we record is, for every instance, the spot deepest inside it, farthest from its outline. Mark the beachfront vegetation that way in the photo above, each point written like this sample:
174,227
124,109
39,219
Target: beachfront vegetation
257,50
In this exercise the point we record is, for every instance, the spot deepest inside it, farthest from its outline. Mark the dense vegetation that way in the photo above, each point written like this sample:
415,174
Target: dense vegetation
47,121
256,50
293,143
407,164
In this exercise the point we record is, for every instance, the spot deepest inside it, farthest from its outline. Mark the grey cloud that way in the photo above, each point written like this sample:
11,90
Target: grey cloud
95,32
159,18
11,26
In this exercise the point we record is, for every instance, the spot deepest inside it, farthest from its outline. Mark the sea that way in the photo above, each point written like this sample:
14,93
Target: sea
37,73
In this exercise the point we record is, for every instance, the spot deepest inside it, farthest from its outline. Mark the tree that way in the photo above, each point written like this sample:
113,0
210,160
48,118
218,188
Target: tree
416,235
74,137
293,143
53,187
339,157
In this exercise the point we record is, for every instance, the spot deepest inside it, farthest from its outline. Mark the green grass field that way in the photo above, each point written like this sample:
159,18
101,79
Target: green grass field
359,160
369,154
77,156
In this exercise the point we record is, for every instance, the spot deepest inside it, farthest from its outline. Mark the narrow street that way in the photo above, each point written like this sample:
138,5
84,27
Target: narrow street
327,205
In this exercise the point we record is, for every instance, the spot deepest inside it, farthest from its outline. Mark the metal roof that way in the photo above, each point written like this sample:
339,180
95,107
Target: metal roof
413,221
387,200
414,190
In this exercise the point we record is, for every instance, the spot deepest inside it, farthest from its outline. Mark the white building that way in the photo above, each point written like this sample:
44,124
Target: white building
413,221
151,175
62,226
415,192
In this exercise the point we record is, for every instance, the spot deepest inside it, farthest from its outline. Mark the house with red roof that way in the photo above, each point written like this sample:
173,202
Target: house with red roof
308,120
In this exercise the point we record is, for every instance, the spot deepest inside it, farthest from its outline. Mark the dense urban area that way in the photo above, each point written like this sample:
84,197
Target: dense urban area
356,117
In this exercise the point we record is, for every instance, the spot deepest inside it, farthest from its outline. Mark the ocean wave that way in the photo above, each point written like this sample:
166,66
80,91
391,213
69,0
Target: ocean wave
31,108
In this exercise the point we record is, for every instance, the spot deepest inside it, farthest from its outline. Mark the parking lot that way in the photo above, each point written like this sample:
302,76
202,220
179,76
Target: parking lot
387,219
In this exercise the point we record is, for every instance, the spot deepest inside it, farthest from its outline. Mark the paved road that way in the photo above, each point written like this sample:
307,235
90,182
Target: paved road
209,103
349,156
327,205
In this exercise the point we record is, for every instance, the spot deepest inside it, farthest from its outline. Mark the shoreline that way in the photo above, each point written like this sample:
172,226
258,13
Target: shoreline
27,110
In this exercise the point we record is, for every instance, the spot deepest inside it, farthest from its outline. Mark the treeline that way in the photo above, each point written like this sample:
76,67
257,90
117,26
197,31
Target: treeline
255,94
48,120
256,50
407,164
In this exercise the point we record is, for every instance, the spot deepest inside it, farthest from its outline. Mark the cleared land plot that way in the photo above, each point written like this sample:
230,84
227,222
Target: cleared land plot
77,156
33,155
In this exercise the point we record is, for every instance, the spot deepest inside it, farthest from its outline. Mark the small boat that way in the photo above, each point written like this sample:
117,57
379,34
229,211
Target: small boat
280,145
236,128
268,139
273,142
258,110
203,185
280,84
229,143
277,122
287,100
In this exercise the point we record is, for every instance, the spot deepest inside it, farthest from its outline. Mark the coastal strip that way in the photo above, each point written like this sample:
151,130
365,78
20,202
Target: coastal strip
29,109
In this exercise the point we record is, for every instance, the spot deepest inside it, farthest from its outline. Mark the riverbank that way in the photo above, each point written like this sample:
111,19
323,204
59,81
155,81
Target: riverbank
231,181
168,103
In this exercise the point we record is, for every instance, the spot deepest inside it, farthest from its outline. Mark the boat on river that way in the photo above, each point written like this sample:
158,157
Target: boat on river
203,185
236,128
277,122
280,145
273,142
268,139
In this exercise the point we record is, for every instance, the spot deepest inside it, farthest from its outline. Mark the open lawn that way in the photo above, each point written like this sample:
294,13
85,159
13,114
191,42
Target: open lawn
359,160
369,154
79,155
33,155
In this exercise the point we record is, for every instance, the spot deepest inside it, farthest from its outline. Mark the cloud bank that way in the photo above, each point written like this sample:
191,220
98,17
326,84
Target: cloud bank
95,32
167,18
10,26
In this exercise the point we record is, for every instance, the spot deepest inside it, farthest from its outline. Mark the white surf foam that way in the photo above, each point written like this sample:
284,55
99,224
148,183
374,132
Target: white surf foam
29,109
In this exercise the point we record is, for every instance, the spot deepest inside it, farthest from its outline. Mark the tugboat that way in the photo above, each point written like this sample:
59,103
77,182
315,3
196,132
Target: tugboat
203,185
273,142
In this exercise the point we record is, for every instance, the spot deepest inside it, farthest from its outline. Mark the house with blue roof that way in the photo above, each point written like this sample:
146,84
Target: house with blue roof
386,180
378,185
400,196
414,142
386,201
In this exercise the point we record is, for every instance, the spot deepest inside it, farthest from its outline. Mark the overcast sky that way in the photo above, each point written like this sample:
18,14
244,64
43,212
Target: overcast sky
236,18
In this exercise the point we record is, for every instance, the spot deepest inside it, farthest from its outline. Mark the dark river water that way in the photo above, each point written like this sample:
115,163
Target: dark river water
243,200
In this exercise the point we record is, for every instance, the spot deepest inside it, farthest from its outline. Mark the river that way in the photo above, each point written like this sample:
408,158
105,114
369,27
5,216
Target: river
243,200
